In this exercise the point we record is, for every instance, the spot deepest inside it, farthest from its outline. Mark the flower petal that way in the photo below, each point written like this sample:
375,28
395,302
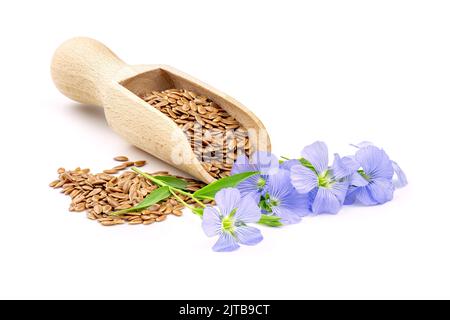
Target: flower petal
381,190
248,235
227,200
288,164
287,215
350,197
250,187
339,189
280,184
248,210
317,154
358,180
303,179
363,196
265,162
326,202
226,243
401,180
291,204
211,222
362,144
344,167
242,164
297,203
375,162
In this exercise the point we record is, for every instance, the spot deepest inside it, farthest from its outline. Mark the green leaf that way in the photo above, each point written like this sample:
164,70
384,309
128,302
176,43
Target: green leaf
270,221
198,211
209,191
151,199
173,182
307,164
264,203
364,174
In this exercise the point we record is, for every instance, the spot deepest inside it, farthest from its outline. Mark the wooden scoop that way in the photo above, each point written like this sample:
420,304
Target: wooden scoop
86,71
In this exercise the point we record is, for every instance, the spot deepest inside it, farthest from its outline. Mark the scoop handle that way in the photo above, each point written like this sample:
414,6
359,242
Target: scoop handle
82,68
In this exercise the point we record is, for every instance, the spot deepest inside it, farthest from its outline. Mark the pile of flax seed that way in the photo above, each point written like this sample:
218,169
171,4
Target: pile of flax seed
100,194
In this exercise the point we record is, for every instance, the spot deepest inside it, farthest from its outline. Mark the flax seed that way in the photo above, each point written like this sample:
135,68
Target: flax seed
110,171
101,194
161,218
91,216
197,114
108,223
120,167
140,163
54,183
98,209
177,213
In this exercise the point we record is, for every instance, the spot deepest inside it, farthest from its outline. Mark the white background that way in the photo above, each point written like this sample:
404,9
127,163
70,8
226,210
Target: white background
337,71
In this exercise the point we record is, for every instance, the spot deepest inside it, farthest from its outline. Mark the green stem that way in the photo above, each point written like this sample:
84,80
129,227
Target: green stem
181,200
192,197
285,158
149,177
162,184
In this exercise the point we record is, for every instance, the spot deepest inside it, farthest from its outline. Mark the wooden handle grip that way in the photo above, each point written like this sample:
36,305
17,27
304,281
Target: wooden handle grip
82,67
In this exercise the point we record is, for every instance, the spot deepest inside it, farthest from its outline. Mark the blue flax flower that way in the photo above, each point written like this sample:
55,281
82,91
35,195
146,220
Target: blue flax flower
282,200
373,182
288,164
325,186
263,162
230,219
